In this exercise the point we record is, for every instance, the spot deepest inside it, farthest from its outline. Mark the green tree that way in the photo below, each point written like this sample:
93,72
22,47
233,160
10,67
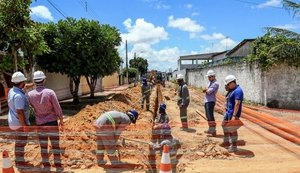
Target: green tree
98,45
140,64
132,72
14,19
271,50
81,48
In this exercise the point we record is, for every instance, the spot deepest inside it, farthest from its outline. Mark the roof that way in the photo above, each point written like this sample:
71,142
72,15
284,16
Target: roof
219,53
239,45
204,56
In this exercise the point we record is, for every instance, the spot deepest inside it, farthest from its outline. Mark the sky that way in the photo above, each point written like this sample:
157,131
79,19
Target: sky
163,30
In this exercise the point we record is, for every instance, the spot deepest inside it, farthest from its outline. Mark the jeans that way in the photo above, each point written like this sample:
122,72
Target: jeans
49,131
209,112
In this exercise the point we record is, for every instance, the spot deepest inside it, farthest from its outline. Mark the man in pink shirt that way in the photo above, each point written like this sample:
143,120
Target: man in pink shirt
47,113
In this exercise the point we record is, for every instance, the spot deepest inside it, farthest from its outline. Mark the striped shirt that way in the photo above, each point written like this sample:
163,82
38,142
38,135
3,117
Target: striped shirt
45,104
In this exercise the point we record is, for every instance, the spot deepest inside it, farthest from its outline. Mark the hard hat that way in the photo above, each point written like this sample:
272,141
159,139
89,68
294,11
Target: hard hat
38,76
133,114
162,107
179,76
229,79
210,73
18,77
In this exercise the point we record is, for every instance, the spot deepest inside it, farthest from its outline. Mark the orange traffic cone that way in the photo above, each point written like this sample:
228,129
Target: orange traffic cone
165,165
7,165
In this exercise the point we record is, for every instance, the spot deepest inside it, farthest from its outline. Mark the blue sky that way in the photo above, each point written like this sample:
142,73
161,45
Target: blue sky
163,30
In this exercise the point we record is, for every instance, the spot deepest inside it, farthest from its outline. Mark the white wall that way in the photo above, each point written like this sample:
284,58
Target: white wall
280,83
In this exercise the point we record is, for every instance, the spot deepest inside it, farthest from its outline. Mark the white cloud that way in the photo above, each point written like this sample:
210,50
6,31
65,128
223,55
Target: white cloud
185,24
143,32
270,3
195,14
158,4
141,37
41,12
220,45
288,26
189,6
214,36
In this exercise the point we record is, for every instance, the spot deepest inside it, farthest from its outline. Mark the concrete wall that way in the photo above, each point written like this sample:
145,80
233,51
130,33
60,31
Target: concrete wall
112,80
278,87
283,85
60,84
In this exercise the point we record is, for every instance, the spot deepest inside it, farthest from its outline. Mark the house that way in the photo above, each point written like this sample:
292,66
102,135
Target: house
241,50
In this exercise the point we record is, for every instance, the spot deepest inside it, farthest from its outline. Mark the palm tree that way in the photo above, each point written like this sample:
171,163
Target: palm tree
294,8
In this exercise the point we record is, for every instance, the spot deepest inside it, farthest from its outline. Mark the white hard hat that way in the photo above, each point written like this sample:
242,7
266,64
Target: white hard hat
210,73
180,76
229,79
38,76
18,77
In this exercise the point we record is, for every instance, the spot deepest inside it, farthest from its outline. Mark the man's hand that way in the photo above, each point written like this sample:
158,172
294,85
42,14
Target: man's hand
61,123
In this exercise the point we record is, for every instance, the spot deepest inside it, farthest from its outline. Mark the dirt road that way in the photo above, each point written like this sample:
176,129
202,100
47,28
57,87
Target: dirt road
259,150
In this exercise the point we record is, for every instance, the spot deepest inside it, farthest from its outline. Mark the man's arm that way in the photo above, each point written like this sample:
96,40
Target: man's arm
236,108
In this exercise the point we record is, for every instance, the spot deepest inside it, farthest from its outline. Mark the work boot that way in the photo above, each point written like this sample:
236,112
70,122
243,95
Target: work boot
211,133
225,145
232,149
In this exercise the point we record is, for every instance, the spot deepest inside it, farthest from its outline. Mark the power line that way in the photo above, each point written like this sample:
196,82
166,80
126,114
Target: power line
56,8
88,8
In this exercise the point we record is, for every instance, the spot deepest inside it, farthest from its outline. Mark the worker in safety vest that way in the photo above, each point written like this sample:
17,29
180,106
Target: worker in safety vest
109,126
146,91
183,101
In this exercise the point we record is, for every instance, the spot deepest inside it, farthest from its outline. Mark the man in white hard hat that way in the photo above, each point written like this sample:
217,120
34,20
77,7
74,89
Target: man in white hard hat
233,112
210,101
183,101
47,113
18,116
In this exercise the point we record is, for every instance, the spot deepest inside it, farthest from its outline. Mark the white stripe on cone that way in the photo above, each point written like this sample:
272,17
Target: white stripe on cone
7,165
165,161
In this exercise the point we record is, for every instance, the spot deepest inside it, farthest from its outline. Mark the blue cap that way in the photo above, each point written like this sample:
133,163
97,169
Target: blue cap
134,115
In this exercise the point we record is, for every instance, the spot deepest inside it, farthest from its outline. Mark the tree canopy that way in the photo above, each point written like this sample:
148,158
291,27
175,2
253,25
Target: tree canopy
140,64
80,48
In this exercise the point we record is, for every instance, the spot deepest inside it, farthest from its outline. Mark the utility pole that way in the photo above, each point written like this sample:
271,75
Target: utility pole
127,64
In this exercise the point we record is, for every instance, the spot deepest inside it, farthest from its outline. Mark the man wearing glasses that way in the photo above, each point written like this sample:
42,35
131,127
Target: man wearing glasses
210,102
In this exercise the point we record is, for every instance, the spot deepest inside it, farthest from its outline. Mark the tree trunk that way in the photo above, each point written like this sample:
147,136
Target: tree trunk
92,81
15,58
74,91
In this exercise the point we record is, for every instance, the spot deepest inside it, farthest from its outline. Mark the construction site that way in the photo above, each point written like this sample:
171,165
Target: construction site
149,86
268,141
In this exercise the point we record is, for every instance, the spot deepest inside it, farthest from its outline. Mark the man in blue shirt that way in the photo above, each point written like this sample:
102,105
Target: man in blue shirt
233,112
210,102
18,116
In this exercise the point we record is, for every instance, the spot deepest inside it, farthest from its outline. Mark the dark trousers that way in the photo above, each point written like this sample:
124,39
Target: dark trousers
49,131
209,112
20,143
183,116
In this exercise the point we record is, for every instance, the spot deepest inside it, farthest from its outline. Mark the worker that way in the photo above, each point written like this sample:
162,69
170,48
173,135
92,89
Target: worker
47,113
233,113
146,91
166,138
210,102
162,115
18,117
183,101
109,126
160,120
